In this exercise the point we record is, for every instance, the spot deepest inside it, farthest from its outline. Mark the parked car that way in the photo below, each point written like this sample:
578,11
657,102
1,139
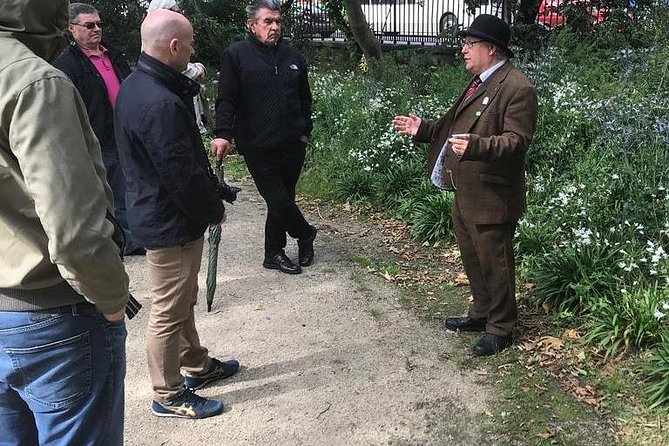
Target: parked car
309,17
425,17
552,12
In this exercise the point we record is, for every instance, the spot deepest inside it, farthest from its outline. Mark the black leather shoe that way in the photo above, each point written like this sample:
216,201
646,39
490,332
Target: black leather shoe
491,344
464,324
305,252
282,263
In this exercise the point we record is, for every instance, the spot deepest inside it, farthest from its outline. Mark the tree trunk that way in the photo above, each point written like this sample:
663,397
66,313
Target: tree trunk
362,34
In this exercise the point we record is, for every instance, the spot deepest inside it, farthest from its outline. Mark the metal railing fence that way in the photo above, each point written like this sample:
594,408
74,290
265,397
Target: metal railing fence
428,22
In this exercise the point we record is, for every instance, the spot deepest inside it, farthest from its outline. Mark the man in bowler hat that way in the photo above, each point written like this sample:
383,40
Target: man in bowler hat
477,150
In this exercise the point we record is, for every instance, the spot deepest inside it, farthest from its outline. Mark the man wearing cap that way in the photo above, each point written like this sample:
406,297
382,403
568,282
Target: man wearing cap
477,150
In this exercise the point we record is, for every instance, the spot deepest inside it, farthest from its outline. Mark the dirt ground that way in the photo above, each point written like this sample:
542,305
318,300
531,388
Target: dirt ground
329,357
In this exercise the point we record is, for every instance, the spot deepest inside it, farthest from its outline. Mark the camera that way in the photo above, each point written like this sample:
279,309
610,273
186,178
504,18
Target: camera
225,191
228,193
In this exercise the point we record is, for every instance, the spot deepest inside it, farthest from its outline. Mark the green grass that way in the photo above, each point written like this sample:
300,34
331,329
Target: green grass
235,167
535,410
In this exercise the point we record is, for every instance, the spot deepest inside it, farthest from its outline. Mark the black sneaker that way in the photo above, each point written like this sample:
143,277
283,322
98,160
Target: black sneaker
187,405
217,371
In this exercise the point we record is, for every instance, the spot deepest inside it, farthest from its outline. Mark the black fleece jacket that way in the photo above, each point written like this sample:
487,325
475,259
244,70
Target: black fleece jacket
264,99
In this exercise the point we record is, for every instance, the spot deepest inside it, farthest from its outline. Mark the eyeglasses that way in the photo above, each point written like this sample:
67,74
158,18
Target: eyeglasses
89,26
470,44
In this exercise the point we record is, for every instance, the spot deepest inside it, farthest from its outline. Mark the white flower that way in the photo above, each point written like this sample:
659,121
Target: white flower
659,315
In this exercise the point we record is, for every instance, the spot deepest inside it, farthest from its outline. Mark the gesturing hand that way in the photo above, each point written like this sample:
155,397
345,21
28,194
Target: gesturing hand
407,125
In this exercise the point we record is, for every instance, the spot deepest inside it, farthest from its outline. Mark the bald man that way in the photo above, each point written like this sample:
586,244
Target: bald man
171,198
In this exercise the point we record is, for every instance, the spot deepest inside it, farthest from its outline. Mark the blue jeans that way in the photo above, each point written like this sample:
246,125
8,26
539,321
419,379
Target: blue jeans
61,377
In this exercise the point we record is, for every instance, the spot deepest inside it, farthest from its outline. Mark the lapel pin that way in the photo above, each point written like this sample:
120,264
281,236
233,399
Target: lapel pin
486,100
478,113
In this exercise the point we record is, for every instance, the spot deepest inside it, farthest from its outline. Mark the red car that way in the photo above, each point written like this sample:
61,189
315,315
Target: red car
552,12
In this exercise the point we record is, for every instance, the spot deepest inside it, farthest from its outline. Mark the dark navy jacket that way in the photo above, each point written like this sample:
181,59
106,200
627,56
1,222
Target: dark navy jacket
264,98
93,91
171,190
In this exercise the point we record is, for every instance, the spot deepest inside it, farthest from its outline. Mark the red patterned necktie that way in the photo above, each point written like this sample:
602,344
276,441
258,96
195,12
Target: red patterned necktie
472,88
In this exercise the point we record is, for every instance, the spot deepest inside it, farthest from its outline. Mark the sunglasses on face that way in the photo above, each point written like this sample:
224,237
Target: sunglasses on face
89,26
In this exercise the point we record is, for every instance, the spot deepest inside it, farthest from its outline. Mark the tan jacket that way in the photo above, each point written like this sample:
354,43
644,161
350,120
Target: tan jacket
501,118
54,234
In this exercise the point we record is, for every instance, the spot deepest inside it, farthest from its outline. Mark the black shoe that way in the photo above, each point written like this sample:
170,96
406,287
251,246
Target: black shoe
464,324
491,344
305,252
282,263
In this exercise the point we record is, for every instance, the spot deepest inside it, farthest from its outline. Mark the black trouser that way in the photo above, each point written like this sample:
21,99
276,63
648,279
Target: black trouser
275,172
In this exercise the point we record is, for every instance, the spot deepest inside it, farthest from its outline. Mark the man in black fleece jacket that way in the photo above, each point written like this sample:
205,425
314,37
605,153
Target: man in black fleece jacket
264,103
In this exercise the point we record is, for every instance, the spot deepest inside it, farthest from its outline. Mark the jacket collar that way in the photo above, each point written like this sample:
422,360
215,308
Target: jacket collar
176,82
488,88
484,95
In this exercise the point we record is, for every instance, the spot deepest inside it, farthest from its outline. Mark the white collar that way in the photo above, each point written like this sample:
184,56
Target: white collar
487,73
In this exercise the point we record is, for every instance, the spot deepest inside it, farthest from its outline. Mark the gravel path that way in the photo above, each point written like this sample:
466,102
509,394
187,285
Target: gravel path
328,356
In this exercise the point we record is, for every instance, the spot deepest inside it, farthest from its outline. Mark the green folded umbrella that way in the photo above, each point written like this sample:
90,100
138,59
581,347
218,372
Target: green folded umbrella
229,194
214,240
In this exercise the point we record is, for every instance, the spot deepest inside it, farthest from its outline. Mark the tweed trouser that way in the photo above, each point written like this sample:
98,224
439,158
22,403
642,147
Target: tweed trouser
487,256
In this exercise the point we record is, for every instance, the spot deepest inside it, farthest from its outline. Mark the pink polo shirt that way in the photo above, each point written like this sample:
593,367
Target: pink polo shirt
104,66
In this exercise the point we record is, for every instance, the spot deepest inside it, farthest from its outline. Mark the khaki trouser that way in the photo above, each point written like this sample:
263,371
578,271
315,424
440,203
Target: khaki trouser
172,342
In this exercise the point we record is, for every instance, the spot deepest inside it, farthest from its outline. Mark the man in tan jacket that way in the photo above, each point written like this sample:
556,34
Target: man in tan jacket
63,289
478,151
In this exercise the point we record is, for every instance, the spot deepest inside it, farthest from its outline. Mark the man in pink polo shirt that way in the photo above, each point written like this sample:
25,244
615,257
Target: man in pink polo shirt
97,72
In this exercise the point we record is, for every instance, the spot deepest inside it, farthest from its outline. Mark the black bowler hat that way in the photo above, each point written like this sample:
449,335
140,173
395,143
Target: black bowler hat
491,29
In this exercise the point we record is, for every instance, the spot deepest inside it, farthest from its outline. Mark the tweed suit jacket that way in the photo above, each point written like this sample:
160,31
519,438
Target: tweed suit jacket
489,177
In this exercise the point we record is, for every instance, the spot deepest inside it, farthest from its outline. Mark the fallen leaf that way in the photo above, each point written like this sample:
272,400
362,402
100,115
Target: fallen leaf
550,345
462,279
572,334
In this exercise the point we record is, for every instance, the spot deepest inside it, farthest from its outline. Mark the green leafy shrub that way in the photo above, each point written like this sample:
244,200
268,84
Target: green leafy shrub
572,278
430,218
397,183
655,369
628,320
353,186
